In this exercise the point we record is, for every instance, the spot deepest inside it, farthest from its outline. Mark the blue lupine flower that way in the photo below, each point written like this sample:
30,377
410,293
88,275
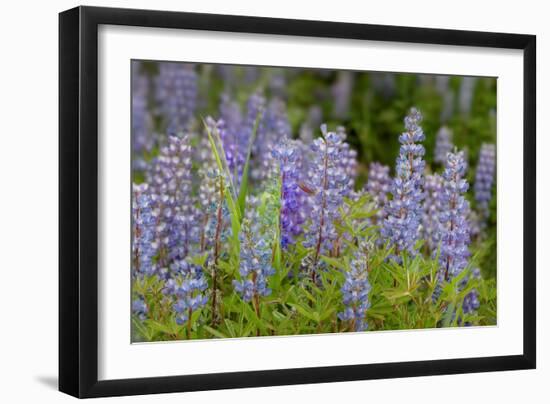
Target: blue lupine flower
404,212
144,247
278,84
217,224
255,264
142,124
189,289
443,144
287,155
341,93
431,232
355,291
347,161
329,182
466,95
171,183
176,95
314,120
139,308
276,120
471,300
251,74
448,97
485,175
384,84
454,237
378,186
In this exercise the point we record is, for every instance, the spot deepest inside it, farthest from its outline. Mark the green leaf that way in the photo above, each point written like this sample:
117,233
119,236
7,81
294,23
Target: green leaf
336,263
305,312
214,332
234,211
243,191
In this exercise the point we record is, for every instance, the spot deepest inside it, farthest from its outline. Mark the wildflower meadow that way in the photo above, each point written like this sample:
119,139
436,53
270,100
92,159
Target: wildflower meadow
283,201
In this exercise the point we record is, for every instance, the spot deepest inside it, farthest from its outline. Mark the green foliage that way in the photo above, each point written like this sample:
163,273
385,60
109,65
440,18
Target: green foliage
401,296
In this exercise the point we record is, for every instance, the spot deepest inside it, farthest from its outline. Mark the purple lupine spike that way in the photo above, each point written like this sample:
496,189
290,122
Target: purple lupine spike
230,113
144,247
329,185
226,73
251,74
341,92
278,84
466,95
255,264
443,145
378,186
485,175
188,286
139,308
445,91
431,232
404,211
454,230
171,183
384,84
142,124
216,214
287,154
471,300
355,291
348,161
277,124
255,109
234,149
176,95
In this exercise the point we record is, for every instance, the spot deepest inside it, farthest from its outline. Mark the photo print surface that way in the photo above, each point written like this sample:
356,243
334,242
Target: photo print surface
272,201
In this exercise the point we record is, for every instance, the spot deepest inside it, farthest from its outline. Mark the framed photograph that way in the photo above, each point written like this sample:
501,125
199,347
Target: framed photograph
251,201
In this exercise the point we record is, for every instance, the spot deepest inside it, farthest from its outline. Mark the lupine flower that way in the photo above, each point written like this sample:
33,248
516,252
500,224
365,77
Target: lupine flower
255,109
144,247
189,291
471,300
355,291
251,74
431,232
341,93
176,94
455,237
278,84
485,175
466,95
329,184
141,118
443,144
313,120
212,197
276,120
378,186
234,148
139,308
287,155
171,183
255,264
347,161
404,212
443,88
384,84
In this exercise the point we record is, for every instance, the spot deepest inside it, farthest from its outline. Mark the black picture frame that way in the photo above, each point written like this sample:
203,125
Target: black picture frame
78,201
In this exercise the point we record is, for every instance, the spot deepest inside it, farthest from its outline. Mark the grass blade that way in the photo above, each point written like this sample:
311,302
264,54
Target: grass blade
243,190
